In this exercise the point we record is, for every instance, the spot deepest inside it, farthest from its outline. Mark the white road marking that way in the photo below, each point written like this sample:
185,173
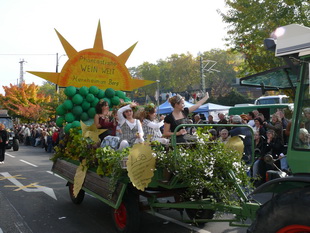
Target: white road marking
52,173
1,230
196,229
18,225
12,156
31,164
46,190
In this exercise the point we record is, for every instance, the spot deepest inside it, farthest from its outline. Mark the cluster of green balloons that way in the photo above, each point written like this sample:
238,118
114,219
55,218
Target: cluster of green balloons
81,104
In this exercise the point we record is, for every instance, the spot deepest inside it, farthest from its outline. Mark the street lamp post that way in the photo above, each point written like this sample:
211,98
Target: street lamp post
203,81
57,64
158,94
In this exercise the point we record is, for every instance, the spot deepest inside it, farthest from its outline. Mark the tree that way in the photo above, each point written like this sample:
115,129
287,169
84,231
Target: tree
184,71
232,98
251,21
147,71
227,63
49,89
26,103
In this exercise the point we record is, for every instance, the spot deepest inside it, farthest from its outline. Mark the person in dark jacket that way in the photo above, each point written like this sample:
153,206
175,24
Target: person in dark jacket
4,140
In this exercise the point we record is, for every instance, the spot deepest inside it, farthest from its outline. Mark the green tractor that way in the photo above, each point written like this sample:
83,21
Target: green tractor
288,208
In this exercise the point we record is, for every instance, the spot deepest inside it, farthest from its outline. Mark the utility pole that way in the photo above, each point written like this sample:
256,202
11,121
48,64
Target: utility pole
57,64
204,67
21,75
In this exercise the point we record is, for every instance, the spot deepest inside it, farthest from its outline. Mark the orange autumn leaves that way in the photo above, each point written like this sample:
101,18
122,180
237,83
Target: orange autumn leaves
26,102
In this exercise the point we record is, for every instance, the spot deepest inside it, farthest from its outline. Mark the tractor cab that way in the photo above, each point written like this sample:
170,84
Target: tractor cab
292,43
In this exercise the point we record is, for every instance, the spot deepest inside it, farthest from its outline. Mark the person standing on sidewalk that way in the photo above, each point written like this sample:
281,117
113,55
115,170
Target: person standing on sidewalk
4,140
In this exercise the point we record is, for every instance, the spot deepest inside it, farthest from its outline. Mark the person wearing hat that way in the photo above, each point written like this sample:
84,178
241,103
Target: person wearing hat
243,131
132,131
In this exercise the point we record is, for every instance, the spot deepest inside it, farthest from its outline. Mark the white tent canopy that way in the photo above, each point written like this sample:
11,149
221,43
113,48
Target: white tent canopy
166,108
209,107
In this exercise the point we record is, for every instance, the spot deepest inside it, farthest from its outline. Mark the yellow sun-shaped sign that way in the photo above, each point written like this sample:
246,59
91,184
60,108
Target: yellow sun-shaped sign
94,67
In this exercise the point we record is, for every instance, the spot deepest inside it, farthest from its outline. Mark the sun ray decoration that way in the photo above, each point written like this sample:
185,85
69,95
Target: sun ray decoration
94,67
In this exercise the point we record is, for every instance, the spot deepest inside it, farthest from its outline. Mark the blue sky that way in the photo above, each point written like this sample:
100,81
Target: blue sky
160,27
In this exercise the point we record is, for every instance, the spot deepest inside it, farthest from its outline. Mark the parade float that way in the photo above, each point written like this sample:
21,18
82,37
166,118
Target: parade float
201,178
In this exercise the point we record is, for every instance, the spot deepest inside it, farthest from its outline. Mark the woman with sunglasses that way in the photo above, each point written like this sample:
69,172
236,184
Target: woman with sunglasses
179,116
131,128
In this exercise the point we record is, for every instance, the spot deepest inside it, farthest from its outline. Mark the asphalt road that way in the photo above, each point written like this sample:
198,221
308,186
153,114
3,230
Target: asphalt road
34,200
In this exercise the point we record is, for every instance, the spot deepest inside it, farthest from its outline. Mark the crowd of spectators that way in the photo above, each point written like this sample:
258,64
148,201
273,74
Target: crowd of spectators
45,136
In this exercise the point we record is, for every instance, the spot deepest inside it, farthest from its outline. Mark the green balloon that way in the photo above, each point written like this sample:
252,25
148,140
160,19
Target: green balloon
70,91
83,91
77,110
68,127
69,117
100,94
127,100
90,97
84,116
115,100
109,92
85,105
91,112
67,104
95,102
76,124
120,94
77,99
60,121
60,110
93,90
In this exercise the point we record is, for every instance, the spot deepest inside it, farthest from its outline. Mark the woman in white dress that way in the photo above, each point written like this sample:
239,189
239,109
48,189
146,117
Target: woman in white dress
131,128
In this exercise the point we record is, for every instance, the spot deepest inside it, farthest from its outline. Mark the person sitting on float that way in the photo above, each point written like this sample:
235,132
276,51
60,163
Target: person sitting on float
131,128
151,126
113,139
179,116
102,119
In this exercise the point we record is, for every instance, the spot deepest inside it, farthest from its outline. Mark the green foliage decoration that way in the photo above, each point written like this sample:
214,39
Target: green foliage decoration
206,169
104,161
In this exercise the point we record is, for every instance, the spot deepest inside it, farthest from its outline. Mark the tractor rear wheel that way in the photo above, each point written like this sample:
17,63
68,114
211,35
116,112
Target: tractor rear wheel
15,145
287,212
